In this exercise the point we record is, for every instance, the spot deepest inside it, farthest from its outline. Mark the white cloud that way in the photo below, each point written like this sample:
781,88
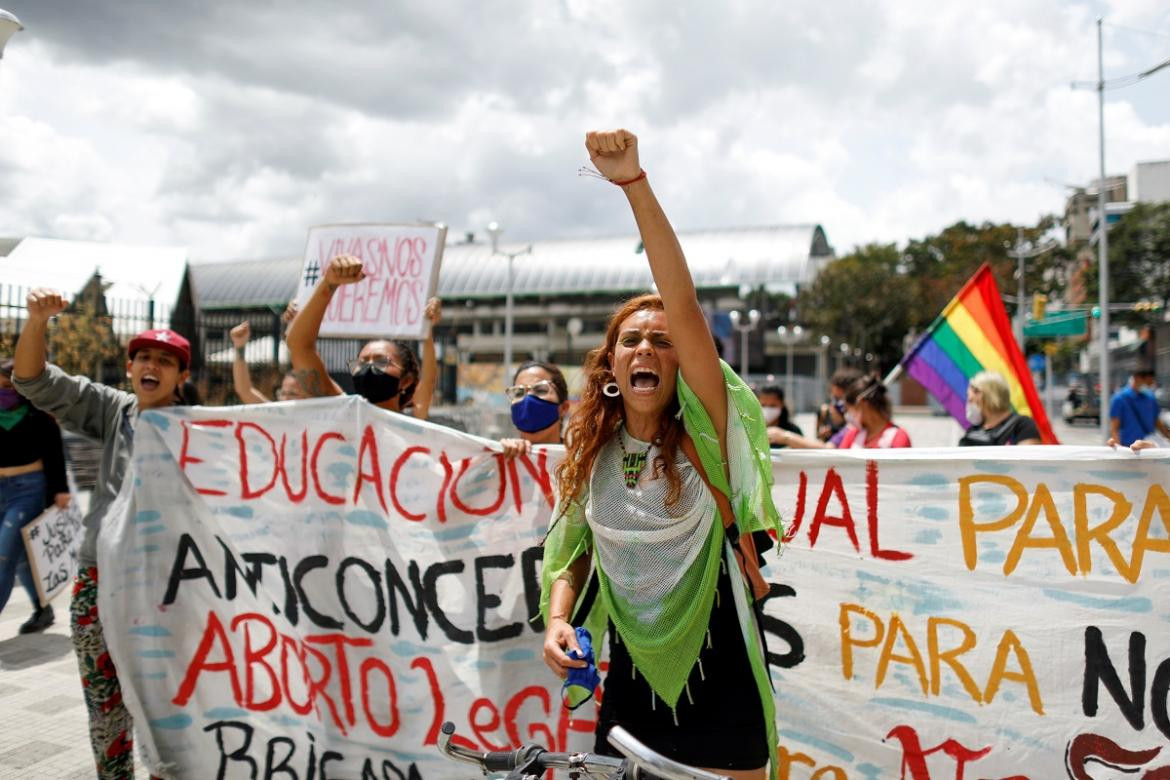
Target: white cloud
231,129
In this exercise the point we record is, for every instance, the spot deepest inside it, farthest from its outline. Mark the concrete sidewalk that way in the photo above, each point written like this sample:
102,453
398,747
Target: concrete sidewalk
43,726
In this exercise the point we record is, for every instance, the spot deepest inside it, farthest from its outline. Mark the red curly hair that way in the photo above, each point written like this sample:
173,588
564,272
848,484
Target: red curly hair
598,416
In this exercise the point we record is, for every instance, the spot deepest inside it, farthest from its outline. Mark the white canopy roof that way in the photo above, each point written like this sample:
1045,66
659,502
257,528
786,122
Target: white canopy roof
133,273
777,257
258,351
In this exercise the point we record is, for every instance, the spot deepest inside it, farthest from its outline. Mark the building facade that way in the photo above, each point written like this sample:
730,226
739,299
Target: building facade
563,292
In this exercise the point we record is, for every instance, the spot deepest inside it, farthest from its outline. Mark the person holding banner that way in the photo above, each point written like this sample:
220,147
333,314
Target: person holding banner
831,423
539,397
1133,411
157,368
386,372
289,388
776,415
993,421
869,414
32,477
665,449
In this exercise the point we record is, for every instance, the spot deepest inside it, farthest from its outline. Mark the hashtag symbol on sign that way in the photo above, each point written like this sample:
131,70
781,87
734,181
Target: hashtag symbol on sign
312,271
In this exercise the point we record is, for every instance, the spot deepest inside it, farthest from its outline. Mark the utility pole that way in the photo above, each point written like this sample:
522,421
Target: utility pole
1102,218
1020,315
1022,251
1102,242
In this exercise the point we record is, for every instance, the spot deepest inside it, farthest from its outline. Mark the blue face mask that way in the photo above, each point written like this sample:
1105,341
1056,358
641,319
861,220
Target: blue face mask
1147,390
531,414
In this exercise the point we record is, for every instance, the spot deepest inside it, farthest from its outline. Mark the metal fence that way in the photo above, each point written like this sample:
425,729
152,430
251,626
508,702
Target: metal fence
76,341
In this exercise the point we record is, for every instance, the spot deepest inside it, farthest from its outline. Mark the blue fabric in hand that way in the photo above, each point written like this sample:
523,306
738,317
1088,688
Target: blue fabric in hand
581,683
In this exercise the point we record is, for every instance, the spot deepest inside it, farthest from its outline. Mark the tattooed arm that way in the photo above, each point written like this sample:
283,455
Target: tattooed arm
309,380
301,338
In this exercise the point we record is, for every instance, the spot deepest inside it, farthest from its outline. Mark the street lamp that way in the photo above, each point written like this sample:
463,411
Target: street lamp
823,359
745,324
9,26
791,336
573,328
494,230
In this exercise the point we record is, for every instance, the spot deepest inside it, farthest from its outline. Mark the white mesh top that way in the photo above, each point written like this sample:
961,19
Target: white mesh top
643,546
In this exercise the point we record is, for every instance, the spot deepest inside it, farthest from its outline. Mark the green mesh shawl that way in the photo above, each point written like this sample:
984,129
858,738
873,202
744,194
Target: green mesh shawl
665,646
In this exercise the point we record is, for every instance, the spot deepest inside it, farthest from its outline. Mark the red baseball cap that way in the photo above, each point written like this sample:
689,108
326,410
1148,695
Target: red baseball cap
164,339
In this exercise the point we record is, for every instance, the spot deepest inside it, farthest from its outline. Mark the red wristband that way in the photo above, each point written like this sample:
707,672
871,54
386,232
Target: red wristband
641,175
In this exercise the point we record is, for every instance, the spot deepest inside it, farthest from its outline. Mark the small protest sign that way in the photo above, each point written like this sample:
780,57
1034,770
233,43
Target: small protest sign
52,541
401,264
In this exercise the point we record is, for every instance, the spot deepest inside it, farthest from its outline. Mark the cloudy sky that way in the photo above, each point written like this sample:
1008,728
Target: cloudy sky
231,127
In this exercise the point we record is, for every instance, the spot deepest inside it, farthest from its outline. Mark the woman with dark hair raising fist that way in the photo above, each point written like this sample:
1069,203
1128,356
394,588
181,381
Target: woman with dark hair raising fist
386,372
667,475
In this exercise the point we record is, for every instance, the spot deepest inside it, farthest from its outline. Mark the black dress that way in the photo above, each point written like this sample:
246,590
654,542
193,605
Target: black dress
720,725
1014,429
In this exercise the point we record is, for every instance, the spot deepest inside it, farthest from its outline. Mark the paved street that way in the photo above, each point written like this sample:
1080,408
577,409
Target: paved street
42,717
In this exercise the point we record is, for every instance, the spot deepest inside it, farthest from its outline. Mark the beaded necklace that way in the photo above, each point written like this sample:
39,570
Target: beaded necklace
632,462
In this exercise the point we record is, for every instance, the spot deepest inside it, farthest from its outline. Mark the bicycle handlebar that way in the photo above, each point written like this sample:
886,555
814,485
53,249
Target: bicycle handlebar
491,761
534,760
653,763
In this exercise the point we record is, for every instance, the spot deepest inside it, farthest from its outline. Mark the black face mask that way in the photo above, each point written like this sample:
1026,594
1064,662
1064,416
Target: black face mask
375,386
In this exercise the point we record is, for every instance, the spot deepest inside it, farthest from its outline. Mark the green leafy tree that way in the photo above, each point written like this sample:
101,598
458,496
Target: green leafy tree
941,264
862,297
83,340
1139,261
875,295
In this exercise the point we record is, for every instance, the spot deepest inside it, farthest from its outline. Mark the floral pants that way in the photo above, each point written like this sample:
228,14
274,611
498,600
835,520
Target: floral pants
111,732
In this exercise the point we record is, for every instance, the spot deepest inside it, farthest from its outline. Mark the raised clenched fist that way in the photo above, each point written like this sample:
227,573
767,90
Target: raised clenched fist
433,311
240,334
44,303
344,269
614,153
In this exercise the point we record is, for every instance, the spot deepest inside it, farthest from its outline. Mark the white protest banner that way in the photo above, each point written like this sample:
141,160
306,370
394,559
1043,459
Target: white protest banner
51,543
401,263
308,589
312,587
976,612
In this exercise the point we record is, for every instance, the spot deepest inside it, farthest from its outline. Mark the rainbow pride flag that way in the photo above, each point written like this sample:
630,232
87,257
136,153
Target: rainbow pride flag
973,334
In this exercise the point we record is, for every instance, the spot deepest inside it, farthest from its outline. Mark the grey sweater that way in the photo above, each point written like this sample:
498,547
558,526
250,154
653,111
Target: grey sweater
98,412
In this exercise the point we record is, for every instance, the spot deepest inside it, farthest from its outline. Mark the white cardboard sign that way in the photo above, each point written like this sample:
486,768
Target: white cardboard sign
52,542
402,271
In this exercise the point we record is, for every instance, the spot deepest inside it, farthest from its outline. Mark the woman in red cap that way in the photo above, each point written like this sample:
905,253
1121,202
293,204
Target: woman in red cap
157,368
